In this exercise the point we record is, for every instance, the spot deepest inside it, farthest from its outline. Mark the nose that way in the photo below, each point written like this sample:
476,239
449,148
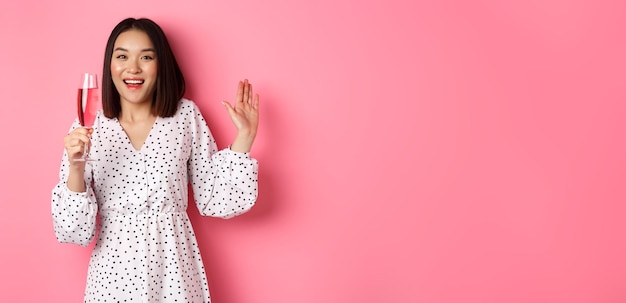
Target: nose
134,67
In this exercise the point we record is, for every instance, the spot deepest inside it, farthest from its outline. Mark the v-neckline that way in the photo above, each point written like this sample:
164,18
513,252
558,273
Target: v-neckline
130,142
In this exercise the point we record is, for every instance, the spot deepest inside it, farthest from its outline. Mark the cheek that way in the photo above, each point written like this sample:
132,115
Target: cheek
151,70
115,69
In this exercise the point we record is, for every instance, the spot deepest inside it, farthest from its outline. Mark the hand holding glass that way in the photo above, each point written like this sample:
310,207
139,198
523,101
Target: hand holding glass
88,103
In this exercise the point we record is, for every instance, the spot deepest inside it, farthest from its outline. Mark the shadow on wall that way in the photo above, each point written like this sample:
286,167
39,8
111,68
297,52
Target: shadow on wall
270,205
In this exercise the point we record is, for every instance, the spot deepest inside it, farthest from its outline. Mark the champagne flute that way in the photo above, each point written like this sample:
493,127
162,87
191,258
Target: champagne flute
88,104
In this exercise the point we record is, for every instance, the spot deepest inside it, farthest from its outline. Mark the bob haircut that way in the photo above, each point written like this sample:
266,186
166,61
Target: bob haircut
170,83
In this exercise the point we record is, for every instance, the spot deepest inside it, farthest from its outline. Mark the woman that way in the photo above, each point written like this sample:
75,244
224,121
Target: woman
150,143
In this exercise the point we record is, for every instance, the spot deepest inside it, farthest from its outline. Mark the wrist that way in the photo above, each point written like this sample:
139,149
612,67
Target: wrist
242,143
77,166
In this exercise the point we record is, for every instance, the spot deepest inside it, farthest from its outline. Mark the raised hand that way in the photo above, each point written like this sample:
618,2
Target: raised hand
245,116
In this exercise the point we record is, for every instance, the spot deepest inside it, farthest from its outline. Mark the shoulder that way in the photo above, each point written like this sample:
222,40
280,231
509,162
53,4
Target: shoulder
101,118
186,106
188,112
186,103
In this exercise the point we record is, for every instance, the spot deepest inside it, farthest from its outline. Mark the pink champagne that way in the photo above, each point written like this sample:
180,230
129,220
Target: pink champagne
87,106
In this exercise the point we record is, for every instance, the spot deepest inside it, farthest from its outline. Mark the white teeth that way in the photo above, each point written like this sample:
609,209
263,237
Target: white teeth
133,81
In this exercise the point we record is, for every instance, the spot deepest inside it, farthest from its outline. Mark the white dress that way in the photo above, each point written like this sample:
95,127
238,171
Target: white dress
146,250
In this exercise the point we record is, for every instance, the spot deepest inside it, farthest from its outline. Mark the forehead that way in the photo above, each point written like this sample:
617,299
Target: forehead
133,40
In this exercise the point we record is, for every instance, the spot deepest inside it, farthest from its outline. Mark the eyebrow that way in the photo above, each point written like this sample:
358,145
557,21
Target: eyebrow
143,50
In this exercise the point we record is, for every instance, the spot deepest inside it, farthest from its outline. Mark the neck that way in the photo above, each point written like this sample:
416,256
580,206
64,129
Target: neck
136,112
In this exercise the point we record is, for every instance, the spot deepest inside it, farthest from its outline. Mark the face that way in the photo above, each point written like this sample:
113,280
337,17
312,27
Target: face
134,67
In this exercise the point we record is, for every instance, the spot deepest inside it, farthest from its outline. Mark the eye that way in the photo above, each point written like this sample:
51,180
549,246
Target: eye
146,57
122,57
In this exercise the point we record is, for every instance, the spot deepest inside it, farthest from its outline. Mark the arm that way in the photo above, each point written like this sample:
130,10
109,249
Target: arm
74,206
224,183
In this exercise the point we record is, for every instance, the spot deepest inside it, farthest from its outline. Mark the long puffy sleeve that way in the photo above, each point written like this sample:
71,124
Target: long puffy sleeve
74,214
224,183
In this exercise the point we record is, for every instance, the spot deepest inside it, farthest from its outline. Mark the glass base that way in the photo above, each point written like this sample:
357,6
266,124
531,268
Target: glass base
86,159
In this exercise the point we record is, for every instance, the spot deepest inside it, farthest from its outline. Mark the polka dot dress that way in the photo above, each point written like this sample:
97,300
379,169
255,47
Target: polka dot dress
146,250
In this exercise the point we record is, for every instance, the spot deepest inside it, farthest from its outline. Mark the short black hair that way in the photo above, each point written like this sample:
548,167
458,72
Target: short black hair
170,83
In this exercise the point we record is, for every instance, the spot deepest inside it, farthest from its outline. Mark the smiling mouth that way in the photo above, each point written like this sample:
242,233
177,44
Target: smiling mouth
133,82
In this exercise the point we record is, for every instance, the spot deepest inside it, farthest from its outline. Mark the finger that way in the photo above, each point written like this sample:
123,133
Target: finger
232,113
82,138
256,102
246,91
76,151
239,94
229,108
81,131
72,142
75,145
250,95
75,148
82,134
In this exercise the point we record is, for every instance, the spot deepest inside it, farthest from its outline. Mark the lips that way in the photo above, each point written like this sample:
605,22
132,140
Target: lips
133,82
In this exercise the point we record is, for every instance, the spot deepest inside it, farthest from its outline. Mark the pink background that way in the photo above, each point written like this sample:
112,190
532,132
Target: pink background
411,151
